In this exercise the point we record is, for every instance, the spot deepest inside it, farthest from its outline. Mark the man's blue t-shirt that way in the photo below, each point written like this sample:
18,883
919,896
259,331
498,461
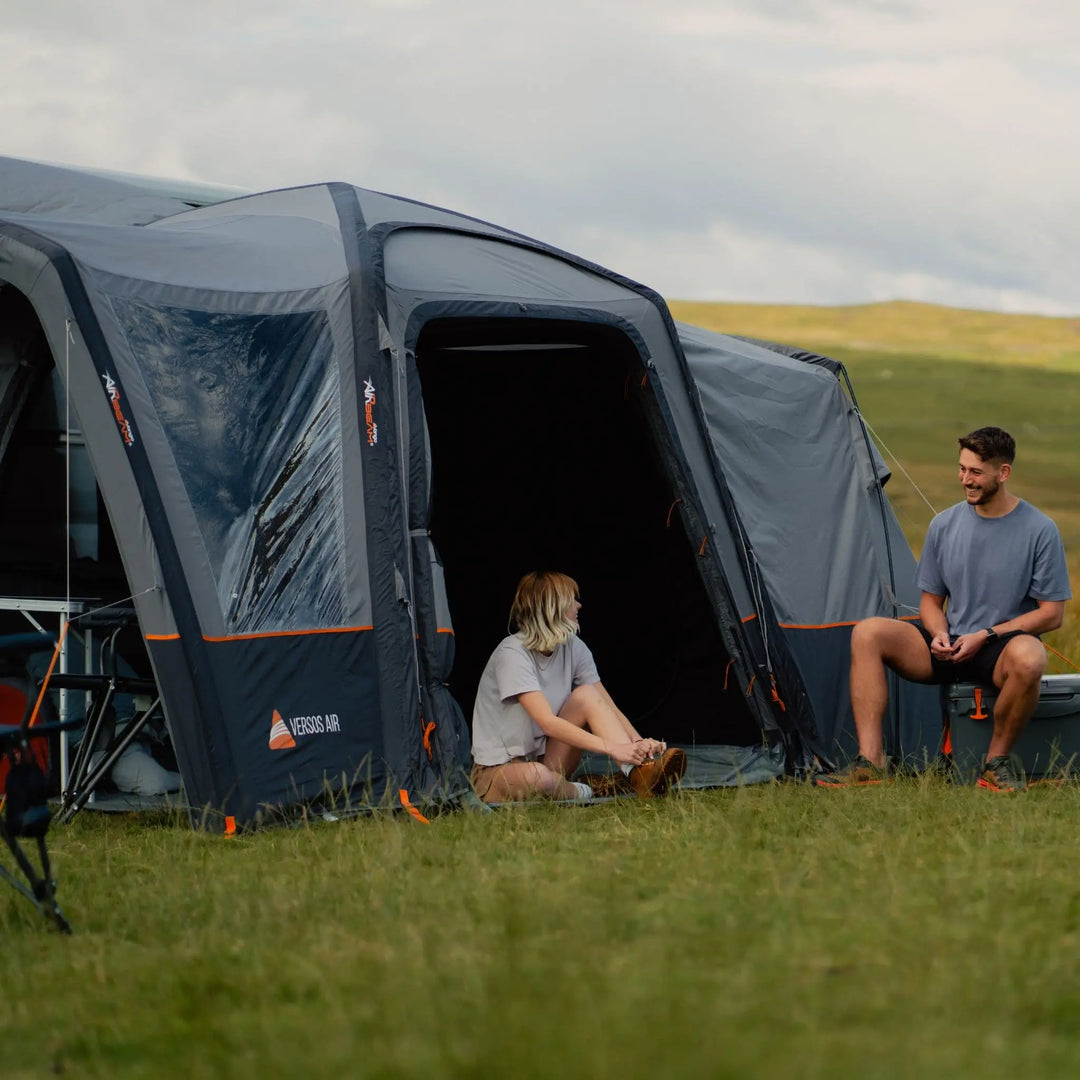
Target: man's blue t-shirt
992,568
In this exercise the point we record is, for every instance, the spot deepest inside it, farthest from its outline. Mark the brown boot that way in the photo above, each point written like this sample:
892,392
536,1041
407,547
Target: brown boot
605,785
655,777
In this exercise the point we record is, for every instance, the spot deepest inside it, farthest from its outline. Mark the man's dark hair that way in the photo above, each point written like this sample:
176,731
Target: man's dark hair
990,444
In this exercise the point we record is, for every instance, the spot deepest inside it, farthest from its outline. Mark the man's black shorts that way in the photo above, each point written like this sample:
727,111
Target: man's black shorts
980,668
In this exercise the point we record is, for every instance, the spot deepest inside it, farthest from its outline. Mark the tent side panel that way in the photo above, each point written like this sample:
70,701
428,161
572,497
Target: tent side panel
303,716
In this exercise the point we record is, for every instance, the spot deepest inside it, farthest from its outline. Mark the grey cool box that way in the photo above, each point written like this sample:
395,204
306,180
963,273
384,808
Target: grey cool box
1048,746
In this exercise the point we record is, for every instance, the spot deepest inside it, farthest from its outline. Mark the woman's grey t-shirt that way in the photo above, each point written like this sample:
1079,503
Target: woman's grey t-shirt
502,729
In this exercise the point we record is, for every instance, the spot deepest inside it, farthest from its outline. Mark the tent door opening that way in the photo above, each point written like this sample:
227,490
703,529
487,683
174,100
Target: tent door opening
57,547
543,457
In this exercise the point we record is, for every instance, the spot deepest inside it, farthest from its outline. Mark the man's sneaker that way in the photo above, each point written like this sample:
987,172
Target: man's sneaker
862,772
999,775
656,776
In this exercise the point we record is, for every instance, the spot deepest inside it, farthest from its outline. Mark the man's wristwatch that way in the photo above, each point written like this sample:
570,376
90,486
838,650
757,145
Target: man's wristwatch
991,634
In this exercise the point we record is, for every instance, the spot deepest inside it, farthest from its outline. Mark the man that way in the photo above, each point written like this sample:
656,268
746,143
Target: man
993,577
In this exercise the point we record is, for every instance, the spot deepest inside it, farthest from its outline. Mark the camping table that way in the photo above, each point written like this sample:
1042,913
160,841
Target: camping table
31,606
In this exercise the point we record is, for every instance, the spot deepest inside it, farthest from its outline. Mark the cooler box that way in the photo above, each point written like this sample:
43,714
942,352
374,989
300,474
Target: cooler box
1048,746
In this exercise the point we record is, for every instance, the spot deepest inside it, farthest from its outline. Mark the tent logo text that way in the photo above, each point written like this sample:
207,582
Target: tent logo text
285,732
369,413
121,420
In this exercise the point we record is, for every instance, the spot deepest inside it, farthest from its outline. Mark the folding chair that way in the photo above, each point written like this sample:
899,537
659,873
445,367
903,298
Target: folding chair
102,746
27,816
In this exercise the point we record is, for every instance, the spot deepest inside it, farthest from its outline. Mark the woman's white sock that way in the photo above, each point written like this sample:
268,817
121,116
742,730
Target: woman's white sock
583,790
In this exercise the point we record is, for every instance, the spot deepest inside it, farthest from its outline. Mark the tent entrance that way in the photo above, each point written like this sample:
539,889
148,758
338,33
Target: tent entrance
54,529
57,548
544,457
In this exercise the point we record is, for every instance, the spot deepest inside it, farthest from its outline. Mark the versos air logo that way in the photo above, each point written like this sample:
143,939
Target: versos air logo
122,422
284,732
369,413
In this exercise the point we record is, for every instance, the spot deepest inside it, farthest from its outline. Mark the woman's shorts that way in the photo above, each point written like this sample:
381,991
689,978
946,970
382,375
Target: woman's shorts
483,776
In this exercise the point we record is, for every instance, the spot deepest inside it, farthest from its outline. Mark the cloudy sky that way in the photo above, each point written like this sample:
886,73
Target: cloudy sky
799,151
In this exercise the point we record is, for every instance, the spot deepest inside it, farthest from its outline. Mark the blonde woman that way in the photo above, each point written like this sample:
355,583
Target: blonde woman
540,704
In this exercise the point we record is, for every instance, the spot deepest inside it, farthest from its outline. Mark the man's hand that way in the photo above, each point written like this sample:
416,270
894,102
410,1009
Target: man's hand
967,645
942,648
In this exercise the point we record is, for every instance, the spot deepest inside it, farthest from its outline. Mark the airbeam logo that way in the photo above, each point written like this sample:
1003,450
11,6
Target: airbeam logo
122,421
280,739
369,413
284,733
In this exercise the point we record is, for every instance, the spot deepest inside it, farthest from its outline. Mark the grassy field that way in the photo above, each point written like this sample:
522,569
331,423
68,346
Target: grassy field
915,930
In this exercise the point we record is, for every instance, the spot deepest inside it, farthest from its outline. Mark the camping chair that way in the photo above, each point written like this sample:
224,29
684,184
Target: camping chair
24,759
27,815
102,745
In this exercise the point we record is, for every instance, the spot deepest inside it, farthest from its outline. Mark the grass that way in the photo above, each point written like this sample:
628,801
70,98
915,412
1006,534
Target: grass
920,929
904,328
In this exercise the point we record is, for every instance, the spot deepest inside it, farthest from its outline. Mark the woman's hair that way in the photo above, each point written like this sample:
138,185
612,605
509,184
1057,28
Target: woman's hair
541,610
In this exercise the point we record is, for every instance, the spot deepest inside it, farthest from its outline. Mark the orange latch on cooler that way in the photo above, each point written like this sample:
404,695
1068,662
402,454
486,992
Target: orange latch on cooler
978,714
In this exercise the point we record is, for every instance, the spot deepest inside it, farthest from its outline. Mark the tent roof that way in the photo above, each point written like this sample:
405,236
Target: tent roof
39,188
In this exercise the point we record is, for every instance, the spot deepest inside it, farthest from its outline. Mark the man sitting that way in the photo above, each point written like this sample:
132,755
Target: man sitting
993,577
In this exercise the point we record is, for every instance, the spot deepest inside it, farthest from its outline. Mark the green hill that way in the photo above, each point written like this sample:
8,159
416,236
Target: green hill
902,326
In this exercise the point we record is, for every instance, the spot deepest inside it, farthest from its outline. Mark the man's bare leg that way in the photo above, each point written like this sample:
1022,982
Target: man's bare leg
1016,674
878,644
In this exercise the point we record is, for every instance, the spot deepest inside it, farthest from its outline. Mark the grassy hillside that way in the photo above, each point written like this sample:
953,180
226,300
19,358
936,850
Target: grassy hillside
924,375
903,327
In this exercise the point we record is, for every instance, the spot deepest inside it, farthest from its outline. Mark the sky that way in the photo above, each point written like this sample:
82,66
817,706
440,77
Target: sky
782,151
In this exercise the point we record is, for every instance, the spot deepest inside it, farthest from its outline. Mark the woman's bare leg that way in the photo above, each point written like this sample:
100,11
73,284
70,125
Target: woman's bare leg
518,781
585,708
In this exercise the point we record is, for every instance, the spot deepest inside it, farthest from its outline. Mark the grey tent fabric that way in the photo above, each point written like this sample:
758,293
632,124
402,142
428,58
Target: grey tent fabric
305,409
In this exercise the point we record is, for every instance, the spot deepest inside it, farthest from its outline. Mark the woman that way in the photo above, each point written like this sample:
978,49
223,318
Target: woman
540,704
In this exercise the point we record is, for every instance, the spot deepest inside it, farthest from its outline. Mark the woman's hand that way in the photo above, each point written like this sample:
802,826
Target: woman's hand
630,753
653,747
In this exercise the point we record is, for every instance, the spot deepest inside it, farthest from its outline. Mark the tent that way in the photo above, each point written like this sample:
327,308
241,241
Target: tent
323,431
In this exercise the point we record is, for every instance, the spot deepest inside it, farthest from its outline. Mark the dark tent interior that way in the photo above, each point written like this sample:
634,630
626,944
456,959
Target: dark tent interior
544,457
43,486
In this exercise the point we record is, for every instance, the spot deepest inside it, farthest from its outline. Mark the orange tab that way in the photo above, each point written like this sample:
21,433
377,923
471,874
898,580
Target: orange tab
776,695
978,714
230,825
429,727
403,795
